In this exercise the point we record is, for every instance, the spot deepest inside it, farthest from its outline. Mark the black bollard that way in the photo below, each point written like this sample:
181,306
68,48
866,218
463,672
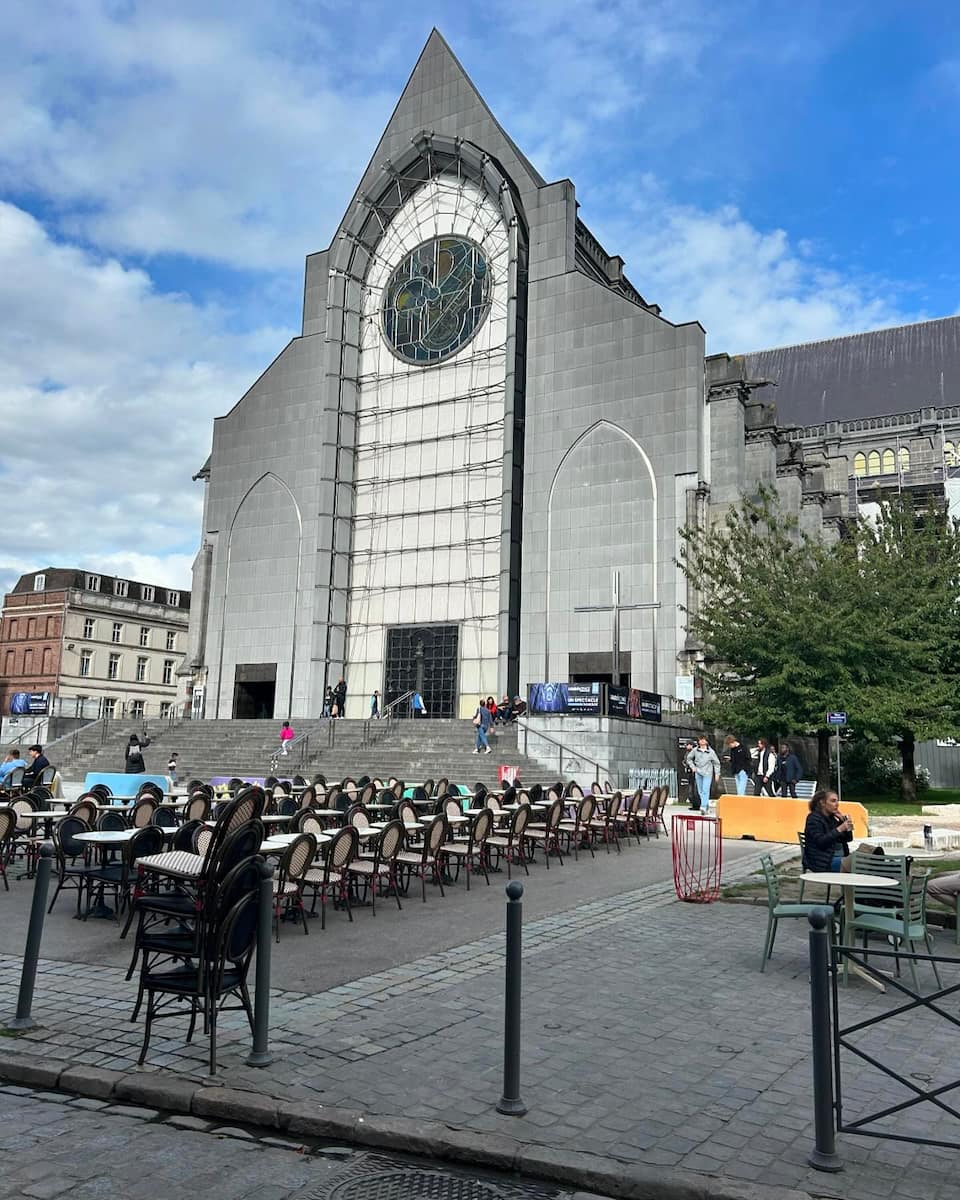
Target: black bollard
31,954
824,1156
510,1102
260,1055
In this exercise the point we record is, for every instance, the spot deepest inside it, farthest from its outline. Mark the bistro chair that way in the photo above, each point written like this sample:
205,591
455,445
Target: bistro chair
101,791
289,881
8,829
776,909
472,852
425,857
73,867
111,819
548,832
577,832
381,868
330,879
198,808
143,812
510,846
209,982
606,824
119,874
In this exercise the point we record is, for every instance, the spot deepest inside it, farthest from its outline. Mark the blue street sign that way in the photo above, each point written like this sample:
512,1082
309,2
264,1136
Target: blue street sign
837,718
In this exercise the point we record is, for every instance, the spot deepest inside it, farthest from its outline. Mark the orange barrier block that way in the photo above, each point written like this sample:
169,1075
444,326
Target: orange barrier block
776,818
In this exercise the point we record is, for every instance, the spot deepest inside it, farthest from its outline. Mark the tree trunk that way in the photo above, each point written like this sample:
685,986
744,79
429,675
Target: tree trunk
908,778
823,759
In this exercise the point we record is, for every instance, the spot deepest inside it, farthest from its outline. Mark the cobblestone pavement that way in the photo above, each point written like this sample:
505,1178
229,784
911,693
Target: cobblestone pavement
650,1036
54,1145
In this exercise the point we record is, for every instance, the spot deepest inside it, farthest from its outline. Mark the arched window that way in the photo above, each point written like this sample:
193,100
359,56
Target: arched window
904,455
889,462
873,462
949,455
859,465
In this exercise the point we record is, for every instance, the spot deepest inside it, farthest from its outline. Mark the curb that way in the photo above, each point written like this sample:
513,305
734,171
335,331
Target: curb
428,1139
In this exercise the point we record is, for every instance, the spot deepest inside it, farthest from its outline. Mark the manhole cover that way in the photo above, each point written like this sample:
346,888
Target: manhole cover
373,1178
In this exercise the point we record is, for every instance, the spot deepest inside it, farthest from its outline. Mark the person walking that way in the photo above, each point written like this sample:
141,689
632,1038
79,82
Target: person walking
741,763
766,768
703,761
375,704
327,703
286,737
482,720
790,771
133,763
417,707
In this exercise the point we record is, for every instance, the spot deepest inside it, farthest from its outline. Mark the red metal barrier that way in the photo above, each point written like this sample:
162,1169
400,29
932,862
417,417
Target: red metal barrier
697,858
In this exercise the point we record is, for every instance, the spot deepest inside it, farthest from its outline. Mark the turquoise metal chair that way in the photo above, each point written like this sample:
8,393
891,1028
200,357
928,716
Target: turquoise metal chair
907,923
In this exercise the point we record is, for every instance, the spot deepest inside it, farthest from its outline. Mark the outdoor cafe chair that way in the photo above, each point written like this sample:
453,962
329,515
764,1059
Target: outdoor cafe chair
207,983
198,808
510,845
380,867
628,819
907,923
143,812
289,881
440,790
72,858
306,821
86,809
605,825
424,859
182,942
472,851
573,791
287,806
357,816
509,795
577,832
547,832
308,797
776,909
330,879
881,901
184,838
428,786
47,775
111,819
8,829
119,874
101,791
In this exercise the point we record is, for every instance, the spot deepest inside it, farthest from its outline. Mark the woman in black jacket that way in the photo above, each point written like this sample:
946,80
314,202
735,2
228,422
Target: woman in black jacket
827,834
133,758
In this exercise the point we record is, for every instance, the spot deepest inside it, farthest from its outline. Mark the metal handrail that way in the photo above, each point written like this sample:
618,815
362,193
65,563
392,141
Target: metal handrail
602,768
385,714
302,743
393,704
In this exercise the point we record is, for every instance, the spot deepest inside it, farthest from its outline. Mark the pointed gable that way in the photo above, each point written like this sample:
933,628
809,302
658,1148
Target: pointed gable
441,98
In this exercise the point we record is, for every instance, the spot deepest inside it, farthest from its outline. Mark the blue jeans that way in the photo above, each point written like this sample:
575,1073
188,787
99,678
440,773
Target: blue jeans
482,743
742,779
703,789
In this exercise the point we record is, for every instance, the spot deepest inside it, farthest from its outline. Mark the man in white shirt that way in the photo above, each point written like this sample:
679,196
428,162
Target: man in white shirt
766,767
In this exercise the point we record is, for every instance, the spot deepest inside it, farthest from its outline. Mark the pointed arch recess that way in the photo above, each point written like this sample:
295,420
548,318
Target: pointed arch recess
644,458
226,580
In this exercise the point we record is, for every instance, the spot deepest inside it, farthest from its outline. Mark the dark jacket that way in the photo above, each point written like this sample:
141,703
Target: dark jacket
790,769
31,776
133,759
740,759
823,840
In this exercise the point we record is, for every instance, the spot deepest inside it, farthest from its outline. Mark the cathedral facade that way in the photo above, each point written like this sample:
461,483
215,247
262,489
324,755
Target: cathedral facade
467,473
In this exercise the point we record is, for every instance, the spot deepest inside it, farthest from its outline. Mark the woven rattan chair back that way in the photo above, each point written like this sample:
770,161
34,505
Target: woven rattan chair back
614,804
434,837
519,822
554,815
8,825
441,787
308,797
24,804
493,803
482,827
428,788
357,816
282,787
86,810
407,812
390,842
198,808
398,790
143,812
202,840
368,795
585,810
296,859
452,808
343,849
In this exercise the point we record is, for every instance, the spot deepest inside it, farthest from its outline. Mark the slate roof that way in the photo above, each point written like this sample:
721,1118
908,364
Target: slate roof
872,374
57,579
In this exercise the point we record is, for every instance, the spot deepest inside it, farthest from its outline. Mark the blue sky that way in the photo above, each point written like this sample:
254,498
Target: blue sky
780,172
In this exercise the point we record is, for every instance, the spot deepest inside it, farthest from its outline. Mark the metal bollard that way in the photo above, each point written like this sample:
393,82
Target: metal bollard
260,1055
31,954
510,1102
824,1156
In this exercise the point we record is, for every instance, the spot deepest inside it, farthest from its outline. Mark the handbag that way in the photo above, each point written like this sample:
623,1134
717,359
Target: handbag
476,719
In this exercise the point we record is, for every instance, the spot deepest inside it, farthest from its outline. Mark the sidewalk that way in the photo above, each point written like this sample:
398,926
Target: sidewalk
651,1040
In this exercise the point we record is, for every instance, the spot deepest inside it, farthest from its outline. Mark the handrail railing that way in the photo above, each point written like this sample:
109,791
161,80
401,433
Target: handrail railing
301,744
388,708
385,714
602,768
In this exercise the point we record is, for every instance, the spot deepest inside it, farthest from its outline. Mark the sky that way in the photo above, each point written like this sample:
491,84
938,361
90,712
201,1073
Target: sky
780,172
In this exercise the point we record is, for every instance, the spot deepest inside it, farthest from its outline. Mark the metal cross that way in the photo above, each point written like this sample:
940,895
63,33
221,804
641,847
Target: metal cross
616,608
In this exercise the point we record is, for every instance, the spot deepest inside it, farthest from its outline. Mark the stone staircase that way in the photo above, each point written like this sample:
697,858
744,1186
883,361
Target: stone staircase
410,750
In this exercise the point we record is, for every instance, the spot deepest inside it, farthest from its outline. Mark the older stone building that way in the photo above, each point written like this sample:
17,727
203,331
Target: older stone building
468,471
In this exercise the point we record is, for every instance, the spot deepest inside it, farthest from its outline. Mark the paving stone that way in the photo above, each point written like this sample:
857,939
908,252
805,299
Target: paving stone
129,1110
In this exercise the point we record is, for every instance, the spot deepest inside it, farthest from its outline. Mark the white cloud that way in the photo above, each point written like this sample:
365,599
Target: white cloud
106,401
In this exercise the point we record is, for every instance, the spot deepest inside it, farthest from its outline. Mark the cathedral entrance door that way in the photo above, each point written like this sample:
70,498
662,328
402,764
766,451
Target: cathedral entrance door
254,691
423,658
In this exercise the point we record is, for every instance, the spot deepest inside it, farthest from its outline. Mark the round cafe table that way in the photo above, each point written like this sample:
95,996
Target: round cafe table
104,840
847,881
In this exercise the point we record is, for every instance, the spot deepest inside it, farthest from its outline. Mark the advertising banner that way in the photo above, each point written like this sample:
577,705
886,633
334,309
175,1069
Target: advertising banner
618,701
30,703
584,699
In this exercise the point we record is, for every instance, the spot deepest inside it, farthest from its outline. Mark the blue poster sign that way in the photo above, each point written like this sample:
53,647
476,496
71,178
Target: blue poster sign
836,718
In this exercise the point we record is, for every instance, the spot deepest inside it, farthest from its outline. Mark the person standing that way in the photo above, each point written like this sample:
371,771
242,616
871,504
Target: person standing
482,720
286,737
766,768
740,763
133,758
703,761
417,707
375,704
339,698
172,768
790,771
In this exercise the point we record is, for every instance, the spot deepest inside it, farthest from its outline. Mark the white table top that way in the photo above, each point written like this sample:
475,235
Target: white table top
280,841
106,836
461,820
35,814
849,879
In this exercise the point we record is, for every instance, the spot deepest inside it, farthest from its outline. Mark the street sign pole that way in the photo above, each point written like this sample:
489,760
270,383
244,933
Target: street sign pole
838,720
839,785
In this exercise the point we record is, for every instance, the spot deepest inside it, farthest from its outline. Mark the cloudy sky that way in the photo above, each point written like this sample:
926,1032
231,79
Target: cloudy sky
781,171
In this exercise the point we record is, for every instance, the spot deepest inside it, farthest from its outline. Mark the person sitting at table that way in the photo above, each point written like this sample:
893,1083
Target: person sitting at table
35,768
11,761
827,834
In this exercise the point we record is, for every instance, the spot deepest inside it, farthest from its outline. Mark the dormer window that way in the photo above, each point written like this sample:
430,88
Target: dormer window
173,599
146,592
39,583
120,587
93,583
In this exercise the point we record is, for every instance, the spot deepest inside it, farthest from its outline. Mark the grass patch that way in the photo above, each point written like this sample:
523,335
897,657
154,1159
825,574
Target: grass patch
889,806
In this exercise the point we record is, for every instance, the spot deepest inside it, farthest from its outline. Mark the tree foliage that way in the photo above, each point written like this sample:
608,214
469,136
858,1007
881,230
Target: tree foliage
792,627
